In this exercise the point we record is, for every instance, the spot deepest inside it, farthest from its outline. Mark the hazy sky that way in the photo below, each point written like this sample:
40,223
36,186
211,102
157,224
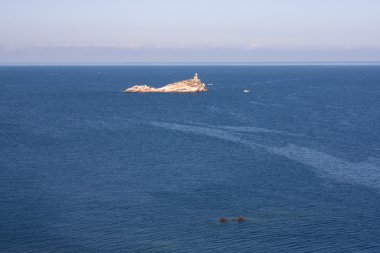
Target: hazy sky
189,30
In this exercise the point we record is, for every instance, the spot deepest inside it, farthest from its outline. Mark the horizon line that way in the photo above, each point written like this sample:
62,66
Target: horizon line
275,63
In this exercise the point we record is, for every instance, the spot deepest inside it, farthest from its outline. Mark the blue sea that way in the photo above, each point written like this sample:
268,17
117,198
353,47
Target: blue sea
87,168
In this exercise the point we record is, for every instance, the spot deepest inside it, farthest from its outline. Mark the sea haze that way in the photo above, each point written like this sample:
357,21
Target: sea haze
87,168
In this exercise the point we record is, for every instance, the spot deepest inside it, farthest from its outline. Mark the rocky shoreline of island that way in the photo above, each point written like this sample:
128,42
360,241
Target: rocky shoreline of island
185,86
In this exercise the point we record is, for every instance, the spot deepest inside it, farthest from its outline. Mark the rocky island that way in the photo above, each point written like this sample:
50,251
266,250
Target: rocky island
185,86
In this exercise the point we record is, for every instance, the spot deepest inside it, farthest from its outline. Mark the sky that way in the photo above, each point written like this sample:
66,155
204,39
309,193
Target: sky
144,31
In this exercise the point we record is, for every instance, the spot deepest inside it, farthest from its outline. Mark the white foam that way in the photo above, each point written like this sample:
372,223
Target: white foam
365,173
202,130
249,129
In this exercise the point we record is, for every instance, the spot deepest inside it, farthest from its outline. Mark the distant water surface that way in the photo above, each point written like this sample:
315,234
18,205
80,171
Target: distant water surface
86,168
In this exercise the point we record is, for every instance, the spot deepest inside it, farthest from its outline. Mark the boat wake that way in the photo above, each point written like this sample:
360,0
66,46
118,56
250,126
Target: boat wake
365,173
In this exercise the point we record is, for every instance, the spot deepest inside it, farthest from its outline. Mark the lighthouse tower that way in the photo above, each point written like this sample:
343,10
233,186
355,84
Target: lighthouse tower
196,77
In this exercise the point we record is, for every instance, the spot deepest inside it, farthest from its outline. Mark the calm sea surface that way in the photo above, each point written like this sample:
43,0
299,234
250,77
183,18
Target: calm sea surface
86,168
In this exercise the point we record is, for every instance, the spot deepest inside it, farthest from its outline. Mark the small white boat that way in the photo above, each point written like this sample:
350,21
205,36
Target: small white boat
246,91
210,84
